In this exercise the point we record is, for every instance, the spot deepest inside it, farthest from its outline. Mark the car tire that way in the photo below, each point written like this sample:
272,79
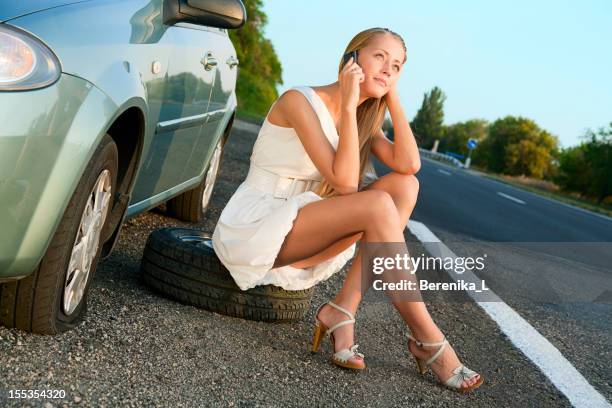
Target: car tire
191,205
43,302
182,264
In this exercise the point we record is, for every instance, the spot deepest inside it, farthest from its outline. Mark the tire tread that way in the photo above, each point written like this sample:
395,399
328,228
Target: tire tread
194,275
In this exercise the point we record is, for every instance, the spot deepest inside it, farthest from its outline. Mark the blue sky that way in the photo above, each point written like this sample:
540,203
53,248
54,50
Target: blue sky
550,61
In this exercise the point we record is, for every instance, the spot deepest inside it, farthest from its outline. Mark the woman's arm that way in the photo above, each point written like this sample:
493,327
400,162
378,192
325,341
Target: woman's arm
296,109
341,167
403,154
346,162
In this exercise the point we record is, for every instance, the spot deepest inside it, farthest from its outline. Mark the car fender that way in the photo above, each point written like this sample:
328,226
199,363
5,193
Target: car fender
46,150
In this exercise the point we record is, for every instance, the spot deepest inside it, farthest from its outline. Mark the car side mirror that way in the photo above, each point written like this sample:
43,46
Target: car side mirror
214,13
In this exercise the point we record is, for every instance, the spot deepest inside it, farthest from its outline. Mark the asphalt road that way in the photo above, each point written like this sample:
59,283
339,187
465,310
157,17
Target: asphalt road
137,348
466,203
548,261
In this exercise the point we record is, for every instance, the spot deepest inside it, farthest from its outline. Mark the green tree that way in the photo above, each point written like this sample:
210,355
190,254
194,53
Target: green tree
527,157
573,174
428,122
587,168
598,153
518,146
457,135
260,70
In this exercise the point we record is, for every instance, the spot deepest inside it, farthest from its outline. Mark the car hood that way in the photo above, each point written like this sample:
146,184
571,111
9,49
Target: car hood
13,9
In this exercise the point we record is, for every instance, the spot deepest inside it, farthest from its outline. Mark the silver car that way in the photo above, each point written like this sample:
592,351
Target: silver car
107,109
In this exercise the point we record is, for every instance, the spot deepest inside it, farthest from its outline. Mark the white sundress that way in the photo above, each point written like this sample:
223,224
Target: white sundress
259,215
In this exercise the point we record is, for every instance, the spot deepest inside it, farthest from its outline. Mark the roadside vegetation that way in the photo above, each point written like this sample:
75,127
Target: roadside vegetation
518,151
260,70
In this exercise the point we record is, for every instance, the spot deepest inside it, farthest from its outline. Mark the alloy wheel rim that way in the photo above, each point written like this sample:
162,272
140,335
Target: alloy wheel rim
211,175
197,240
86,242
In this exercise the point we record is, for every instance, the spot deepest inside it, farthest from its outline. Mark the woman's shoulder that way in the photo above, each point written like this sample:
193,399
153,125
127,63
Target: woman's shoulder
293,100
287,105
297,90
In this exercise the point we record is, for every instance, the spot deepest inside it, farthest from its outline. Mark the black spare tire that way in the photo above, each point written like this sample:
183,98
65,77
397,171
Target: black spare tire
181,263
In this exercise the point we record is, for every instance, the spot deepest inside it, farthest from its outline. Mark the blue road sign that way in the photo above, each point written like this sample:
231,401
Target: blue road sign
471,144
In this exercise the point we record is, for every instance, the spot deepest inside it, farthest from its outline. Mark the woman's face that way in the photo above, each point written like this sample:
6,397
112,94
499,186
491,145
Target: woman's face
381,62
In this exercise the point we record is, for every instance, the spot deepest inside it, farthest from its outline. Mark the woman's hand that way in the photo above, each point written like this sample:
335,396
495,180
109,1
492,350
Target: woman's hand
350,77
392,96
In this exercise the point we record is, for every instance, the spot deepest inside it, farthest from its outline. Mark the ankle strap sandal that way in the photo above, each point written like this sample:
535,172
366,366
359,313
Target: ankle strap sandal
340,357
460,373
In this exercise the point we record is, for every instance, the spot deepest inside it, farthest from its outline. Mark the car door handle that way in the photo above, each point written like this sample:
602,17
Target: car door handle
209,61
232,61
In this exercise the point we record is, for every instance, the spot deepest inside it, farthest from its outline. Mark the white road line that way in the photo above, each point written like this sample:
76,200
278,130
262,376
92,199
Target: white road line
448,173
509,197
605,217
536,347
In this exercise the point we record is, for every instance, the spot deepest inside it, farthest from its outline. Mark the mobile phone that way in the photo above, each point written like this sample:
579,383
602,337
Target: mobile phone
348,55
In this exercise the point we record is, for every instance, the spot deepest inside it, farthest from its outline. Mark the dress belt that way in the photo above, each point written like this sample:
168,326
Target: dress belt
277,185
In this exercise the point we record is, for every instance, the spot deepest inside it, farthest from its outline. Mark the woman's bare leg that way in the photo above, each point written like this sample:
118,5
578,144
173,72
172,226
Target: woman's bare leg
403,190
333,250
323,223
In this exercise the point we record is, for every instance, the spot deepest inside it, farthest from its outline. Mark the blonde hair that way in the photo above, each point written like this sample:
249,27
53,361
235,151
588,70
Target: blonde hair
370,113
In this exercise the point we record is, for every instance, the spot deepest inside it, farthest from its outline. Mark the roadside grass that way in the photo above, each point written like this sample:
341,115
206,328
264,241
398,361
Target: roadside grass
549,190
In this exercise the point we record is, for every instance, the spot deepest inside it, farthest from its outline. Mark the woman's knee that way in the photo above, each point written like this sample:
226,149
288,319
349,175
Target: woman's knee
407,198
414,185
407,184
381,208
405,191
413,182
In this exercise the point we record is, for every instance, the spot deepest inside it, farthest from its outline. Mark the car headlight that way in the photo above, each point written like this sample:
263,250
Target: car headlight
25,62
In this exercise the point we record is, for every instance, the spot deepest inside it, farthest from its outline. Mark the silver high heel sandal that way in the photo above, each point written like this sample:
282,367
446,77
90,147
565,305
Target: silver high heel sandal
341,357
460,373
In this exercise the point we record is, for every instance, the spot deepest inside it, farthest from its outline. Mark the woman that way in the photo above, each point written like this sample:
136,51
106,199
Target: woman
296,218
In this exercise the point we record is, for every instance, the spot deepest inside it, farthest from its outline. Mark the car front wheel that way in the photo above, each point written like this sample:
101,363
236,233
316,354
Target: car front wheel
53,298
